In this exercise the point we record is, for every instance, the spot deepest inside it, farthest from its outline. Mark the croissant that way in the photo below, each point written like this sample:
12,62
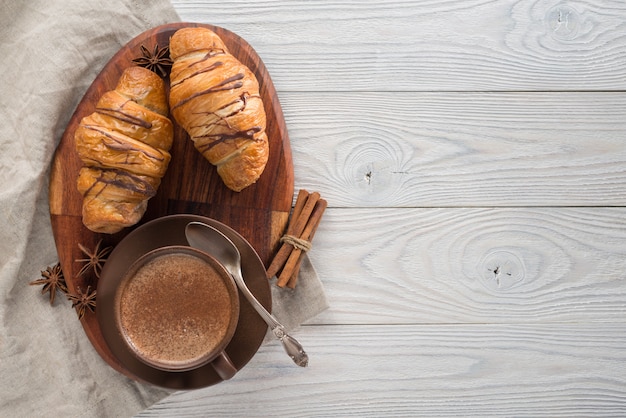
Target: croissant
124,148
215,98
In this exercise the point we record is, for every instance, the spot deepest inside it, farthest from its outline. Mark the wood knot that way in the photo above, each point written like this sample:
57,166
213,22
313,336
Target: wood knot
502,270
563,22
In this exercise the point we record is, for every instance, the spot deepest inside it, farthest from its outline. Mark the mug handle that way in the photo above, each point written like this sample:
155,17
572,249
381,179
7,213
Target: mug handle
224,366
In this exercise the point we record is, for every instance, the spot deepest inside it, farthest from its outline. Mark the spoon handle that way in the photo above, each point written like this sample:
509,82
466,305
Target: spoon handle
291,345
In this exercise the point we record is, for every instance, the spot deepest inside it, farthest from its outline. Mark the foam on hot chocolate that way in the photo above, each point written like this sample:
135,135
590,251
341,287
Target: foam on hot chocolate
175,310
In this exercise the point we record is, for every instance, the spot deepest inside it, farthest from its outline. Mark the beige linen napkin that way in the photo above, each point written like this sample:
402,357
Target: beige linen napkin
51,52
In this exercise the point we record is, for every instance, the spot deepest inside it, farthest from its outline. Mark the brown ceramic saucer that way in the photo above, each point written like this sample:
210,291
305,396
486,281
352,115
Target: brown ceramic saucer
170,230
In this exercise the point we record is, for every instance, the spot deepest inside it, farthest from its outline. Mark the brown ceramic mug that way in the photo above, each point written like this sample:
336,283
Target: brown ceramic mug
177,309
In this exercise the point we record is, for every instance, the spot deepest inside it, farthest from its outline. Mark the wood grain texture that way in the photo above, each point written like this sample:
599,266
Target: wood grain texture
460,149
191,184
481,265
475,45
395,370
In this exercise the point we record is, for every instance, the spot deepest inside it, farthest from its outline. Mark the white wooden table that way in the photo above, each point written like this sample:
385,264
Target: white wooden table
473,154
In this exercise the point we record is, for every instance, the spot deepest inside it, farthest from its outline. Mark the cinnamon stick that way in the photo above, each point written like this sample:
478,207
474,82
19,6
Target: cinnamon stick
307,232
277,262
293,279
297,209
299,224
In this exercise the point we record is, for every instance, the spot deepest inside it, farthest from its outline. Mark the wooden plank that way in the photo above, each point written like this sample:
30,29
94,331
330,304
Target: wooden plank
453,149
481,265
438,45
456,370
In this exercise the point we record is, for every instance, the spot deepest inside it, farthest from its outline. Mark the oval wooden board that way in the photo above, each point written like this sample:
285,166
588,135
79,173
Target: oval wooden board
191,185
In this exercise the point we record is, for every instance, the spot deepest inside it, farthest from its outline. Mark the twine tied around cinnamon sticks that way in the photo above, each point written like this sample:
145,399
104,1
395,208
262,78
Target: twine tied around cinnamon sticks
305,218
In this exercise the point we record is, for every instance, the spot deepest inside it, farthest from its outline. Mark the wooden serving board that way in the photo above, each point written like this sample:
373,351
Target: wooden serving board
191,185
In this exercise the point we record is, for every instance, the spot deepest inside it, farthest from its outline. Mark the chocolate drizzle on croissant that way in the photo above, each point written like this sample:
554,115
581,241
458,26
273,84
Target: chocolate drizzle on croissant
211,67
215,98
122,180
124,147
226,85
120,115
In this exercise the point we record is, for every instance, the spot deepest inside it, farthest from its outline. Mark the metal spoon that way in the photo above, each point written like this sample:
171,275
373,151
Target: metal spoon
207,238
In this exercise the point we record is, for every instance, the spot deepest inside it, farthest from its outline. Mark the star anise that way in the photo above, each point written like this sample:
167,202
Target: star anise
95,259
52,280
157,61
83,301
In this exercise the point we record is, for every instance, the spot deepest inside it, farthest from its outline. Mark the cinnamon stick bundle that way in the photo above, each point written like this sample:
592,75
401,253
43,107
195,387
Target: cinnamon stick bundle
305,218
